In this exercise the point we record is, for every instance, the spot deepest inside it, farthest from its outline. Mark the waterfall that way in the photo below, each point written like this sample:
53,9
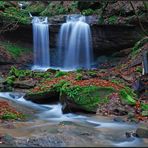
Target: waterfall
41,42
74,44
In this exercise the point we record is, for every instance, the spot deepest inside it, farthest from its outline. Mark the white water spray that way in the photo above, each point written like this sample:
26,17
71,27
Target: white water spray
41,42
74,44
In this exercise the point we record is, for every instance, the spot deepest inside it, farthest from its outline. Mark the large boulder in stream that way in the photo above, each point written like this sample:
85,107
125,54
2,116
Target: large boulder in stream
26,84
142,131
48,96
84,99
85,95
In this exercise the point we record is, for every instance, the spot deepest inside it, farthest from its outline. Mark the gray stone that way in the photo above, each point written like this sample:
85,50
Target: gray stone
118,119
106,39
142,131
43,97
26,84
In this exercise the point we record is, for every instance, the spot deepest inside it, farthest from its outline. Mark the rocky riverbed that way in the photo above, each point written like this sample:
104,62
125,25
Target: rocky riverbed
50,128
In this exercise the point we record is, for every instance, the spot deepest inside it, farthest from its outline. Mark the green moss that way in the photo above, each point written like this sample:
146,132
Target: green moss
88,12
116,81
112,19
138,45
130,92
139,69
20,73
127,97
79,76
10,80
43,90
73,7
2,5
37,7
45,75
60,73
79,70
87,97
14,14
9,116
14,49
144,107
92,73
53,9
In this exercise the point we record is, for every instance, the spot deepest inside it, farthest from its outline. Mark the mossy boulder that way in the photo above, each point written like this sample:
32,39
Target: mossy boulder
127,98
26,84
84,99
44,93
48,96
80,95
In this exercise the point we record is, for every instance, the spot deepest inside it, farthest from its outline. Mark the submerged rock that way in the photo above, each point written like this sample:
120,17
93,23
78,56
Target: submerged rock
84,99
120,111
142,131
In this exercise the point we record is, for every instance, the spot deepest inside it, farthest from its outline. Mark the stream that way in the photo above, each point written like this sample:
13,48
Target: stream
50,127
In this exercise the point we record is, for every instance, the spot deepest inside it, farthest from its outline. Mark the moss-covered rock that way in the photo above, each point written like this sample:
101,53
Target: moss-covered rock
84,98
26,84
126,97
78,94
138,45
48,96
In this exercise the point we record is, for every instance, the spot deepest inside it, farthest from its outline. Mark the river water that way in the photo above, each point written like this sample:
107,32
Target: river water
67,129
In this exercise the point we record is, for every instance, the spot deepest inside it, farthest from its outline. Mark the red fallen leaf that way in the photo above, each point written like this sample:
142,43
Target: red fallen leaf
5,108
138,104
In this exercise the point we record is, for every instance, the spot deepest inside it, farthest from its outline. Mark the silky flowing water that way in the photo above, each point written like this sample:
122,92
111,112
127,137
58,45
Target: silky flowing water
75,44
49,121
41,42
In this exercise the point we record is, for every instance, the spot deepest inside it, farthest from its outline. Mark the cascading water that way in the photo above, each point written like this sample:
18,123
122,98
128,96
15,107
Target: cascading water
74,44
41,43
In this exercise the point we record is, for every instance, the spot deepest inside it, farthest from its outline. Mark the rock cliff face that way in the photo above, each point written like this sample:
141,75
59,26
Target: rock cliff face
106,39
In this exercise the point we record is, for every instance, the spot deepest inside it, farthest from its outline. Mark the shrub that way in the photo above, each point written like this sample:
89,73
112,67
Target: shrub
15,15
87,97
138,45
79,76
112,19
37,7
92,73
79,70
144,107
13,49
139,69
88,12
126,97
10,80
60,73
10,115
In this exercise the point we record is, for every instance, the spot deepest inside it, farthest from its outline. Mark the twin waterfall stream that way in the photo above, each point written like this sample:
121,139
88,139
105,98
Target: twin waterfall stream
74,46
